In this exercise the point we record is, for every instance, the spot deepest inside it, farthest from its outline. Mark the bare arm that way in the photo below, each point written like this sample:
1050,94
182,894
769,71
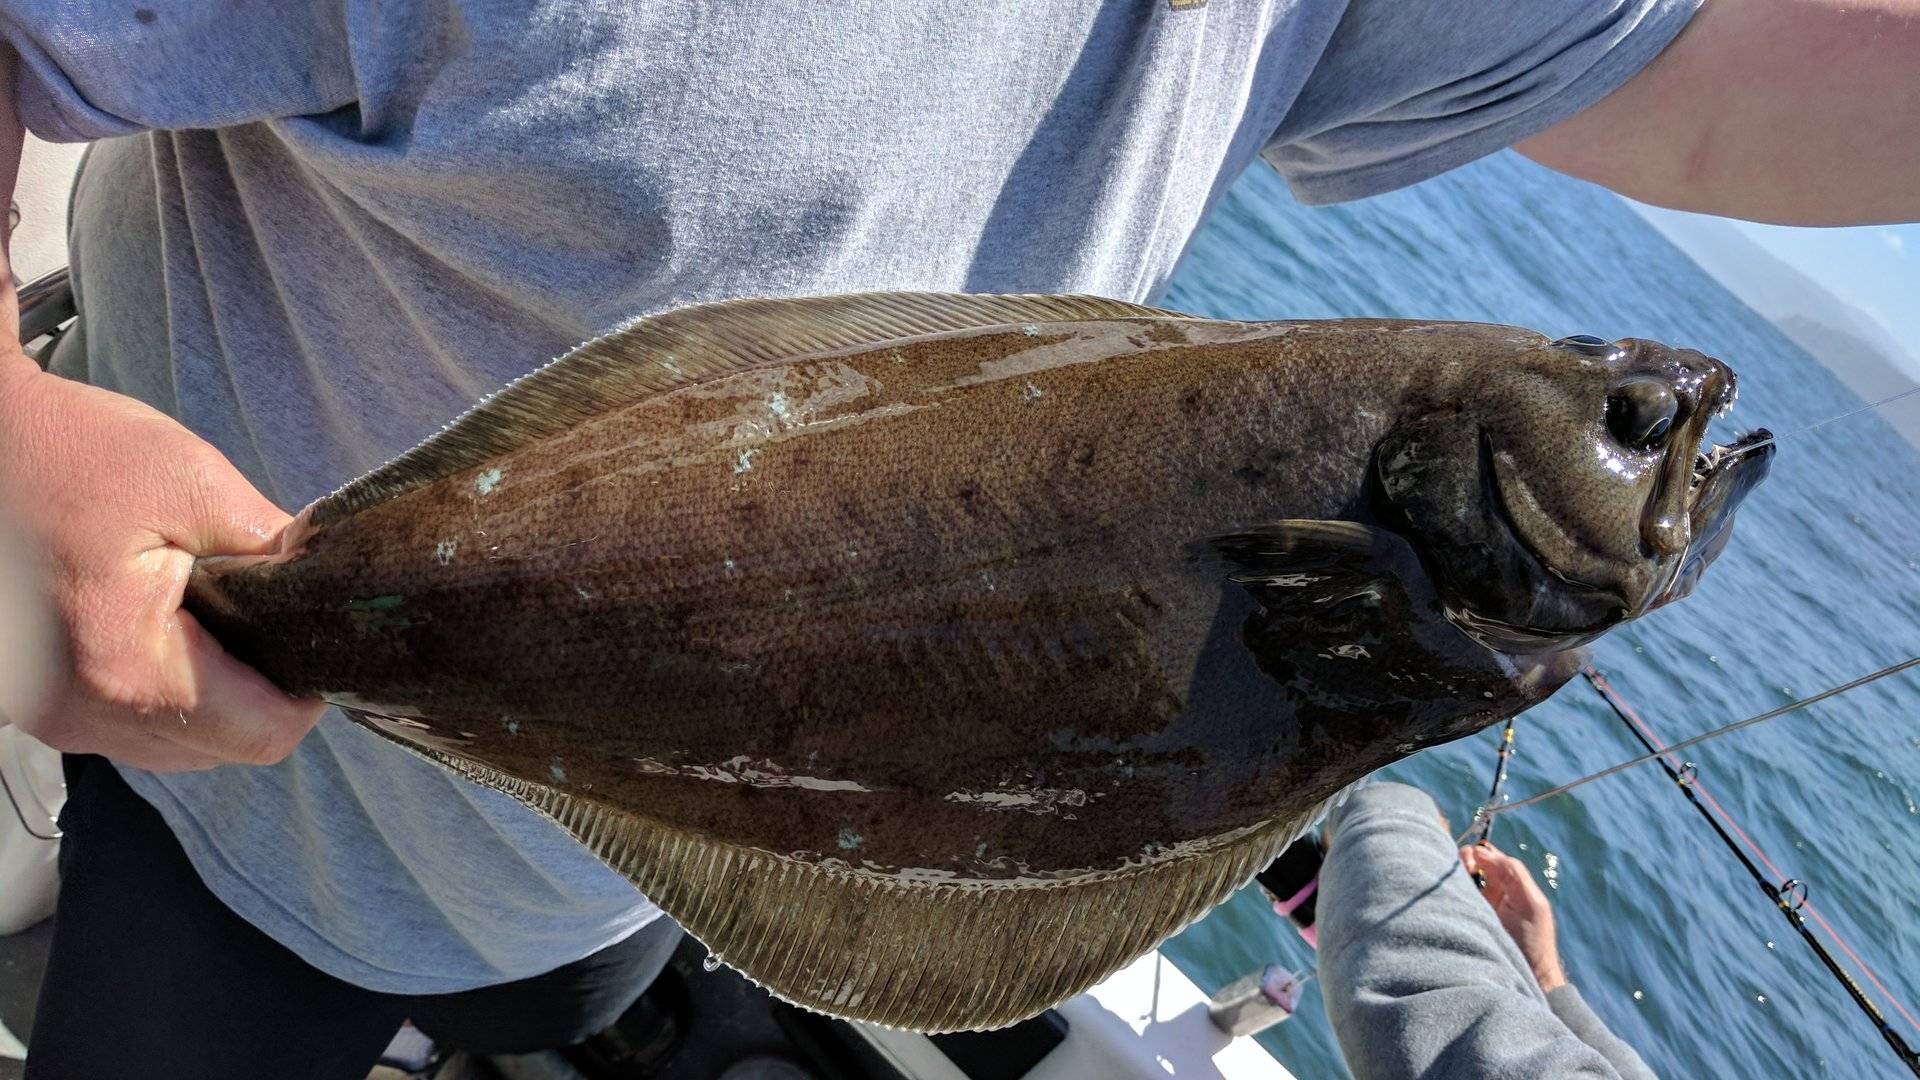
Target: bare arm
1798,112
121,499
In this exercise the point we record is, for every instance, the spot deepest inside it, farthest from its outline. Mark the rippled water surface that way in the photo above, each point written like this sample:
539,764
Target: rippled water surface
1666,935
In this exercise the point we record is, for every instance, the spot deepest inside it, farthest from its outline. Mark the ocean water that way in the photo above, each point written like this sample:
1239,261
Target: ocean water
1665,934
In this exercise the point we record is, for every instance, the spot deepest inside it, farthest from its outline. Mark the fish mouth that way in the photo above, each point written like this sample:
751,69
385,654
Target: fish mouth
1721,478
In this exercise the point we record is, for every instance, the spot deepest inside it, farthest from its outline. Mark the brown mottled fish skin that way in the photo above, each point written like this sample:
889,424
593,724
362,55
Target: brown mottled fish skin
1003,608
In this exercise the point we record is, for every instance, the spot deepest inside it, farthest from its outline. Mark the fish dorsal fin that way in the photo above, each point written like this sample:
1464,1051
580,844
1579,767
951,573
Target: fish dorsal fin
664,352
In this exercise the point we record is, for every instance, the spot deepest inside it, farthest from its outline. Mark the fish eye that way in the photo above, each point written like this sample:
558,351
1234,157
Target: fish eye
1640,412
1587,343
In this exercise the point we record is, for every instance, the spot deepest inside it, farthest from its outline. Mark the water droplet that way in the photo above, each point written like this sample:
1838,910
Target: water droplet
1637,995
1769,944
1761,998
1713,659
711,963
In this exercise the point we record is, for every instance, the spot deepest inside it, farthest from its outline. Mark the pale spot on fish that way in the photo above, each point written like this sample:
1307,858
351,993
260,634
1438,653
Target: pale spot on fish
1030,330
1351,652
728,563
512,726
850,840
443,551
558,773
585,594
1034,393
745,461
487,481
777,405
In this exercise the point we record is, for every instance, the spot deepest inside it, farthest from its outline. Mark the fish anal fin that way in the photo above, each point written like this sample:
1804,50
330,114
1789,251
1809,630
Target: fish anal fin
924,955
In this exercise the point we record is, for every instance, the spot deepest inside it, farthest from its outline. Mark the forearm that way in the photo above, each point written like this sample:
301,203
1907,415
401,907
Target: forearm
1572,1010
1802,112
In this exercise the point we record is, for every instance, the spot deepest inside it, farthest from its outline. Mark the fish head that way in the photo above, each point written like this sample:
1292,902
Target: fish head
1559,488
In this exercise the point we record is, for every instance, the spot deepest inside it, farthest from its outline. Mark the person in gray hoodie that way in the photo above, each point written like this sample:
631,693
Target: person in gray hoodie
1425,975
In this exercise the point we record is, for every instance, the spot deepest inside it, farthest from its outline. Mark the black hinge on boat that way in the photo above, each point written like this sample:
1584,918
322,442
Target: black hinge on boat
1006,1054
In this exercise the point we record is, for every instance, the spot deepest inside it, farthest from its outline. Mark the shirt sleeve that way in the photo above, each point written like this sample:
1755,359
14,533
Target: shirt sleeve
1408,89
93,69
1417,975
1572,1010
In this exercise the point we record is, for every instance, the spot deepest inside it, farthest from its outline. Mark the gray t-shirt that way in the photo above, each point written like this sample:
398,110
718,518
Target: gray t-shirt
318,229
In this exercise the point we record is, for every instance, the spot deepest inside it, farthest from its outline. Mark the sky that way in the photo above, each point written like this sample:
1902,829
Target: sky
1875,268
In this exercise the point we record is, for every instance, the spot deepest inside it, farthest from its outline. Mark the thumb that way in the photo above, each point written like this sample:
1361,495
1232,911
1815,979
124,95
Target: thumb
1470,858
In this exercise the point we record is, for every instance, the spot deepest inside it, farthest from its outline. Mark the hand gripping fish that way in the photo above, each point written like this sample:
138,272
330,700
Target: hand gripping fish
930,657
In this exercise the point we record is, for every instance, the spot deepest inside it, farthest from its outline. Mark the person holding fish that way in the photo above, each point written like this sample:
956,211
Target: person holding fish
862,631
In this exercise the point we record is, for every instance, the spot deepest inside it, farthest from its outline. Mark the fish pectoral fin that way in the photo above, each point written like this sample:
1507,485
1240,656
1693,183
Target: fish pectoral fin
1338,602
1347,621
662,353
1336,570
919,953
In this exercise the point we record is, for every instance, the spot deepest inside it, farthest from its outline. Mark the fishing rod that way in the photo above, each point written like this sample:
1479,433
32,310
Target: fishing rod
1493,794
1697,739
1790,895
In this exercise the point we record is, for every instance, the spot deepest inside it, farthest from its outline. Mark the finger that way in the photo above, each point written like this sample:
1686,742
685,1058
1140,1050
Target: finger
223,514
1500,869
233,713
77,726
156,753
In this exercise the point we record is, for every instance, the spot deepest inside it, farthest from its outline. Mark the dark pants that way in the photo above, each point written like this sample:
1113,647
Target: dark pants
151,975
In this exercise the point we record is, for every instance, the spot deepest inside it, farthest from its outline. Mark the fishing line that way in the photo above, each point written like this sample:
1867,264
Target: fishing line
1737,725
21,814
1842,416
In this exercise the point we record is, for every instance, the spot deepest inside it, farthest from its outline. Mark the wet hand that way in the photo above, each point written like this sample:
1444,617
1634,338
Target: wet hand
121,499
1522,909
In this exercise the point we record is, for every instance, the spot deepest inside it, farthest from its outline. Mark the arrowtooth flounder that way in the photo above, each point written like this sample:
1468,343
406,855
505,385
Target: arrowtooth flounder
930,657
